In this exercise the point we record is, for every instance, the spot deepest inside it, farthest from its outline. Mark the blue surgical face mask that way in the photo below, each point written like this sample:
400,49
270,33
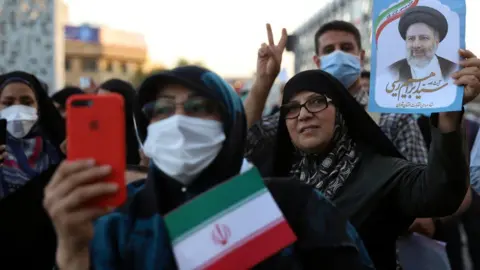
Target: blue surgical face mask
343,66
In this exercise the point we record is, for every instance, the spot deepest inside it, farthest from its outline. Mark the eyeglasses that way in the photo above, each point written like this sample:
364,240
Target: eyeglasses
313,105
194,106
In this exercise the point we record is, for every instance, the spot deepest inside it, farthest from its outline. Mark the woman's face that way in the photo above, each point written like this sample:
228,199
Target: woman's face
178,100
310,131
17,93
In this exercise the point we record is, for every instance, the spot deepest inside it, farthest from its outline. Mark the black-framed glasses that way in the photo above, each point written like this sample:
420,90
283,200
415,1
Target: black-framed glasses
194,106
312,105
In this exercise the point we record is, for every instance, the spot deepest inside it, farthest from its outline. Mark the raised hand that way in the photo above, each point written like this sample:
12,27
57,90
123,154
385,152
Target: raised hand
269,58
425,226
469,75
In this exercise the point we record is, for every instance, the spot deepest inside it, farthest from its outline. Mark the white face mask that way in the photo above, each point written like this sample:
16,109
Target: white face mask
182,147
20,119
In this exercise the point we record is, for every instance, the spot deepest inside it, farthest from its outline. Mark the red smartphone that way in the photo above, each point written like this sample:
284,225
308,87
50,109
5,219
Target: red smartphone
96,129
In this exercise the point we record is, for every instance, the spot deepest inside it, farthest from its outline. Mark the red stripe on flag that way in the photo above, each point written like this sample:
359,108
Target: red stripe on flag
254,249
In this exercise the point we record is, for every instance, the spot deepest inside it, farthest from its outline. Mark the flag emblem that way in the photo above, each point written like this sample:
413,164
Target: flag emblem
221,234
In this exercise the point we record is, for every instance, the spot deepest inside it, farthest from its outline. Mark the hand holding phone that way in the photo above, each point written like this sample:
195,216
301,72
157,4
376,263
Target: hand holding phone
68,196
96,130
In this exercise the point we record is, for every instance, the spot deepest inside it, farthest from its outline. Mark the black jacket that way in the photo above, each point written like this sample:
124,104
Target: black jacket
390,192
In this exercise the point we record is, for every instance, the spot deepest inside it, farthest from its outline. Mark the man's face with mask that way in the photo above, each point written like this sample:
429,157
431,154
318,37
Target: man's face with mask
335,40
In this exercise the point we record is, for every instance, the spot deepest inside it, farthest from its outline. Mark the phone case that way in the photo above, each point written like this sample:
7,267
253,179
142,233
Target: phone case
96,129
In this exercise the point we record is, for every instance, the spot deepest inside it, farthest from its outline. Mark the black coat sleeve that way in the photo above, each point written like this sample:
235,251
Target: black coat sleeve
334,259
437,189
27,236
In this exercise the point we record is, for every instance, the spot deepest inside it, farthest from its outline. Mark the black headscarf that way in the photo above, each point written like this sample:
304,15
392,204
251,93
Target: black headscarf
129,95
229,161
353,126
50,121
61,96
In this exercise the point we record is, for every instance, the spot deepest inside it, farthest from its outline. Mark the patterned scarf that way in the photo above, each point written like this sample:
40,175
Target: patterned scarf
328,174
26,158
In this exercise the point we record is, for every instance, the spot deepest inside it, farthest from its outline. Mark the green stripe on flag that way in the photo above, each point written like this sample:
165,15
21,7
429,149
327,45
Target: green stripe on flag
212,202
388,11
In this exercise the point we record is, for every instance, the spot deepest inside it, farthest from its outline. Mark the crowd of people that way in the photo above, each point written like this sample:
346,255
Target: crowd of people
350,183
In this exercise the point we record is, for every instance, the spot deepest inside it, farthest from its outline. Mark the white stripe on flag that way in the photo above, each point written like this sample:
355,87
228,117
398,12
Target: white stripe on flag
199,248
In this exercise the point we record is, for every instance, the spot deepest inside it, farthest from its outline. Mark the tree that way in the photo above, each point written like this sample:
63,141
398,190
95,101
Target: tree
141,75
181,62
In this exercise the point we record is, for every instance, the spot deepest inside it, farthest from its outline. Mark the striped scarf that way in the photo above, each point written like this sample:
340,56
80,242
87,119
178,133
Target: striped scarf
26,158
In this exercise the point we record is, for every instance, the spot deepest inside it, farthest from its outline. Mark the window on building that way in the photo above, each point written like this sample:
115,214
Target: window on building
109,66
68,63
124,67
89,64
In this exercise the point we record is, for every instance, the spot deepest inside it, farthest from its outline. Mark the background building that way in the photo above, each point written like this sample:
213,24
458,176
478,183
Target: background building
31,39
357,12
102,53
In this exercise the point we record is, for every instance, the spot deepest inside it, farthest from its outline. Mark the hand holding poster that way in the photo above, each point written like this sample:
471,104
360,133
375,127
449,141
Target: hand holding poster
414,53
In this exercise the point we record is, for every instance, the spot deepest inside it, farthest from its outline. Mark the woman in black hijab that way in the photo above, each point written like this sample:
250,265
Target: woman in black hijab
34,130
60,97
128,92
27,238
328,141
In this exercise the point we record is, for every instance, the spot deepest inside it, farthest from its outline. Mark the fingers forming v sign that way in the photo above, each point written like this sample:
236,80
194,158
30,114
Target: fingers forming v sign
277,50
270,56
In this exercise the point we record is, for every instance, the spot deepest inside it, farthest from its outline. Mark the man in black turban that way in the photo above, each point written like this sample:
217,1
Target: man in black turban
422,28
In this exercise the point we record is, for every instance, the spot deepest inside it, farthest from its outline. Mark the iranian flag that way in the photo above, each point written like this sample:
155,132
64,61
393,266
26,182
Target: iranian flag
235,225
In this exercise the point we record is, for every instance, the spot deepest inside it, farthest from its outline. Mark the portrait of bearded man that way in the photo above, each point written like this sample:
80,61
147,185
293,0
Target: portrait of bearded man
422,28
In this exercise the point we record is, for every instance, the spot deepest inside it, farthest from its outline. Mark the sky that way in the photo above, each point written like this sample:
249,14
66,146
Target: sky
225,35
